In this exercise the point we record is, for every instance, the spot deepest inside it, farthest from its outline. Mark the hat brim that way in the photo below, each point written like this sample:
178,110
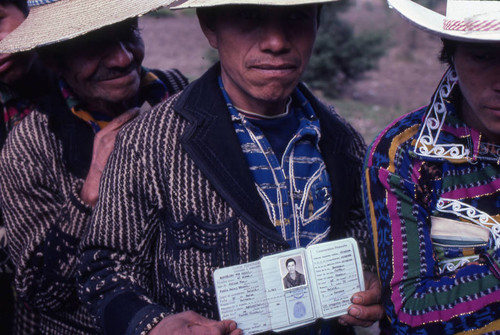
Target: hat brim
63,20
433,22
212,3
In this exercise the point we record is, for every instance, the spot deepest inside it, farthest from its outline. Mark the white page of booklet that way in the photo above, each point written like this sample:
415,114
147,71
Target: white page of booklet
253,294
241,296
338,272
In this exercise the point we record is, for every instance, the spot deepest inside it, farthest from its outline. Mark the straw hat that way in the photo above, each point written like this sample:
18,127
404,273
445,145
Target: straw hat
465,20
52,21
212,3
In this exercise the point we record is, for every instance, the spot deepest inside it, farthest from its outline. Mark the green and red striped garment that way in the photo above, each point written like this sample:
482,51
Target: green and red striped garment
432,196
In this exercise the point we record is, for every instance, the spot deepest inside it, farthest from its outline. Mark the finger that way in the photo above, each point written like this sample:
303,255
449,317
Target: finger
121,119
366,313
226,326
367,298
211,327
347,320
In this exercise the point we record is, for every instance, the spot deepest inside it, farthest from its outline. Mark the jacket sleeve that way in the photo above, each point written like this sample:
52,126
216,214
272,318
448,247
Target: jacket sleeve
357,226
43,215
116,269
418,298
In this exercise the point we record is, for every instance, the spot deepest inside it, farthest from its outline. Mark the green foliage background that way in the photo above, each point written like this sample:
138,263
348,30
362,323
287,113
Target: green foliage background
340,56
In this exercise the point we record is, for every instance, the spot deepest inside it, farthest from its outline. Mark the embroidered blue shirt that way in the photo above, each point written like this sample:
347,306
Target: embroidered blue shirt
296,191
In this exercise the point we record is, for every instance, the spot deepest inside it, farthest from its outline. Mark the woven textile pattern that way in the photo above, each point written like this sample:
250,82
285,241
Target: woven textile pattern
429,288
45,218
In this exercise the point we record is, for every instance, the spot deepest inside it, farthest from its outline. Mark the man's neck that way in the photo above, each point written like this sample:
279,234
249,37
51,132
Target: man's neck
264,109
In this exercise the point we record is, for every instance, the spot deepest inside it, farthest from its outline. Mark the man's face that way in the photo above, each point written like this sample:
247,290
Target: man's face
103,68
478,69
263,50
12,66
291,267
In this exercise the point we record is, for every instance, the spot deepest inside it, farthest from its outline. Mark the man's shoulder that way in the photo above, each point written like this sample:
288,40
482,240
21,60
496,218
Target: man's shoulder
31,135
153,121
398,135
173,79
327,114
35,120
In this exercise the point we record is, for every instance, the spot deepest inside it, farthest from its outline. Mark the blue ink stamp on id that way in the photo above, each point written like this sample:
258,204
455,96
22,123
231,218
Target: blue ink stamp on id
299,310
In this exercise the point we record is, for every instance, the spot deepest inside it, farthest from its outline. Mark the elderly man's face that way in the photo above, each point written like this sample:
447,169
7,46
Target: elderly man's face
263,50
478,69
103,68
12,66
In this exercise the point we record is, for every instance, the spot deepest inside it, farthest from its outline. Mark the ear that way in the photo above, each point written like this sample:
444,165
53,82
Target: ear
207,24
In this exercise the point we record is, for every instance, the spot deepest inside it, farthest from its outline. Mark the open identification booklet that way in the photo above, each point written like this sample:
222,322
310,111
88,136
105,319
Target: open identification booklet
292,288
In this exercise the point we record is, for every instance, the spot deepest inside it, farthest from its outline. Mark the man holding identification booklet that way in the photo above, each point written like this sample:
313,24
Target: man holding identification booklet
241,171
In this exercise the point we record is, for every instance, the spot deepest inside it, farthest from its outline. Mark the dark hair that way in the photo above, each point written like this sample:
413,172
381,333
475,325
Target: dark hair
21,4
447,51
290,260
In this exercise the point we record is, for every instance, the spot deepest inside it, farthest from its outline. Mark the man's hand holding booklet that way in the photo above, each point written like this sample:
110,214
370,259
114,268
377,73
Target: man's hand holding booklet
292,288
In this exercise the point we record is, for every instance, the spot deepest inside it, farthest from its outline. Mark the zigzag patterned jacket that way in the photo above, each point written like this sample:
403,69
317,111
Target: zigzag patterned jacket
42,169
178,201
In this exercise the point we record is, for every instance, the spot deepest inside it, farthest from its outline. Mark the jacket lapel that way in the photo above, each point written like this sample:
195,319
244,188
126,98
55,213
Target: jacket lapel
211,142
334,140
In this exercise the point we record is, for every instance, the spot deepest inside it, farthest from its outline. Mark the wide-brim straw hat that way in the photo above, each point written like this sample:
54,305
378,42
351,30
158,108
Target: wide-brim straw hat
53,21
180,4
465,20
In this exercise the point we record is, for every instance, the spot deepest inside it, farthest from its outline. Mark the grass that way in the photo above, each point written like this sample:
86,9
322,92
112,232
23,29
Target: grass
368,119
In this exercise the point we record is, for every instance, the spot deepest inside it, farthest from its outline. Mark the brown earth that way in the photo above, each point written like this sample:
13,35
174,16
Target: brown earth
405,79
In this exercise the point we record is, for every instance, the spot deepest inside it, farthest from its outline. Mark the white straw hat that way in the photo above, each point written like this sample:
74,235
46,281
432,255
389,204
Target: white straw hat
211,3
466,20
52,21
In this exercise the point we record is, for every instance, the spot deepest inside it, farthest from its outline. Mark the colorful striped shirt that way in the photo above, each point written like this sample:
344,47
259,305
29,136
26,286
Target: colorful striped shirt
432,195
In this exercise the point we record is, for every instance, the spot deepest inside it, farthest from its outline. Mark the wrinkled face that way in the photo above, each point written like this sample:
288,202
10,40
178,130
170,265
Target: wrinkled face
103,68
291,267
263,50
12,66
478,69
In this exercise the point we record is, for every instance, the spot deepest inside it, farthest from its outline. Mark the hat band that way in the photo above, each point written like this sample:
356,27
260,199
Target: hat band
34,3
472,25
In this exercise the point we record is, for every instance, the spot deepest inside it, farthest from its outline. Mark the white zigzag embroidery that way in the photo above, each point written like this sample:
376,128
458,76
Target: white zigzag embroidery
426,143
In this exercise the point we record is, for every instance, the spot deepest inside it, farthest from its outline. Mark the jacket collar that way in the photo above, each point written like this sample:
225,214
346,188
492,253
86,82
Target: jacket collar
212,144
443,135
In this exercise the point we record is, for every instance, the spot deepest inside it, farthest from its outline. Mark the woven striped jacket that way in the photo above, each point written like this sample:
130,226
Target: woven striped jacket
433,199
178,201
42,168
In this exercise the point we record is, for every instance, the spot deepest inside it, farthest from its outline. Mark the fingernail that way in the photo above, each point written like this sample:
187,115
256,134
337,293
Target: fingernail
357,300
353,311
232,326
342,322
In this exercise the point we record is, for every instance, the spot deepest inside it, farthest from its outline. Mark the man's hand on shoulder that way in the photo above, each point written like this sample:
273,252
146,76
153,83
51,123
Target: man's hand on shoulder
367,305
104,142
192,323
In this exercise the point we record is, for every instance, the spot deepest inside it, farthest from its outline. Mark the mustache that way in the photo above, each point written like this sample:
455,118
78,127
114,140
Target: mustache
274,61
103,73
